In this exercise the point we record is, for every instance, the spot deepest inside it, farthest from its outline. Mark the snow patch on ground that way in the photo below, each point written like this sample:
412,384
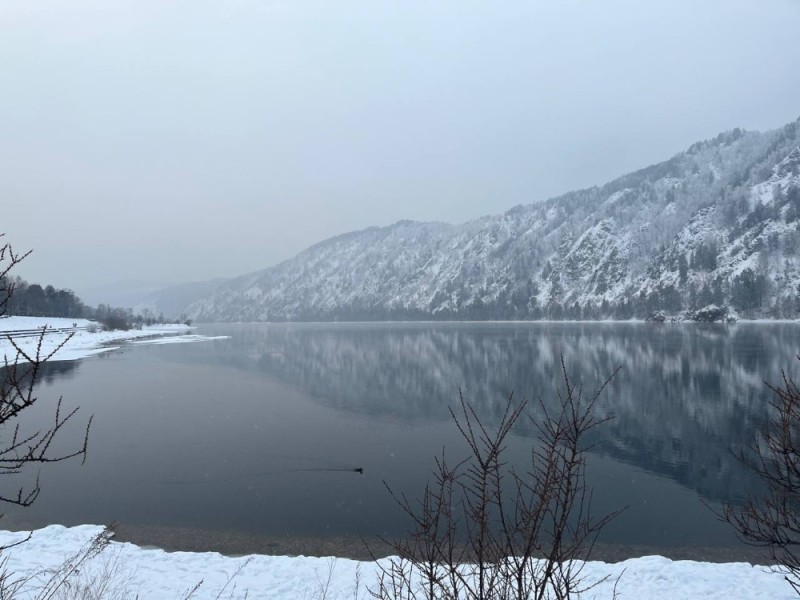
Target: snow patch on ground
83,342
153,573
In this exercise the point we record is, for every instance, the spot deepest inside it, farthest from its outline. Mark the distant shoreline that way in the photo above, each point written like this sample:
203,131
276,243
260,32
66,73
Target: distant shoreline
502,321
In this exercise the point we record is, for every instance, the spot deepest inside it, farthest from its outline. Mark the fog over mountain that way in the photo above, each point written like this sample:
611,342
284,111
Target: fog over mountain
715,225
182,141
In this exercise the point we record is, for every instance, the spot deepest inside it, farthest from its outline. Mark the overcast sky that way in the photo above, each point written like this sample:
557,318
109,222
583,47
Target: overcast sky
184,140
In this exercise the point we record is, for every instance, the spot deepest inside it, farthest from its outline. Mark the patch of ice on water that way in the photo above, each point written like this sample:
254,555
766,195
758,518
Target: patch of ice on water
182,339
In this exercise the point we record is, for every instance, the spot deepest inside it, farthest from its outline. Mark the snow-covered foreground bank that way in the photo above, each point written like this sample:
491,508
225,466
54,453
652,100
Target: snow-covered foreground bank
155,574
83,342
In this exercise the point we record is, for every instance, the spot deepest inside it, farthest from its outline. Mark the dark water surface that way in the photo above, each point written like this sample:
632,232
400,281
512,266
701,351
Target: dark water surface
258,434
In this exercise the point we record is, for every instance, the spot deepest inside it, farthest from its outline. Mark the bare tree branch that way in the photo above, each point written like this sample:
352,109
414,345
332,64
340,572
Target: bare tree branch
772,519
484,530
19,374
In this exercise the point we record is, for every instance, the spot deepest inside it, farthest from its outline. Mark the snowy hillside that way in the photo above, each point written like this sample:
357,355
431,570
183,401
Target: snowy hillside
714,225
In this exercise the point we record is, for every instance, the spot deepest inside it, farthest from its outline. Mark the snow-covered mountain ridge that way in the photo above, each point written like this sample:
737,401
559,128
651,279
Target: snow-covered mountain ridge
716,224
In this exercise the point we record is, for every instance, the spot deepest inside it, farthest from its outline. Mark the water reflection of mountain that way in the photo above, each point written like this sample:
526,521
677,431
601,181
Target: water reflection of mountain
50,372
684,396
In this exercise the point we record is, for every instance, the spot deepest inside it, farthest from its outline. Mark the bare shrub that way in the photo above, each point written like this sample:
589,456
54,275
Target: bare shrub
69,580
115,321
21,448
19,374
106,578
483,530
772,519
229,583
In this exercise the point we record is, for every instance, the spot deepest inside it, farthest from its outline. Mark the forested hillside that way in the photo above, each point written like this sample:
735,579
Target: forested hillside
31,299
714,225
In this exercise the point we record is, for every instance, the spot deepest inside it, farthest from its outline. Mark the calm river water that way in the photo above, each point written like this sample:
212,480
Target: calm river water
259,433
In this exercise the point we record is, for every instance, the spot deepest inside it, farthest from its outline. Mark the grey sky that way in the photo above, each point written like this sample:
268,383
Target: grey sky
185,140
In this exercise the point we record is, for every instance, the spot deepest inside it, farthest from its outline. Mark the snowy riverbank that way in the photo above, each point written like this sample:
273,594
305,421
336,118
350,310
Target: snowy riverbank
84,342
152,573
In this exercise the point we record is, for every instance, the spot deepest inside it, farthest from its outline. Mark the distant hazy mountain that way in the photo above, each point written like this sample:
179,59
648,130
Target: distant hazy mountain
172,301
716,224
123,294
156,297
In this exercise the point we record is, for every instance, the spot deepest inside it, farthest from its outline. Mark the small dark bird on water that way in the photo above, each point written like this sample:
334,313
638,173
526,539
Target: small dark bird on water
359,470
